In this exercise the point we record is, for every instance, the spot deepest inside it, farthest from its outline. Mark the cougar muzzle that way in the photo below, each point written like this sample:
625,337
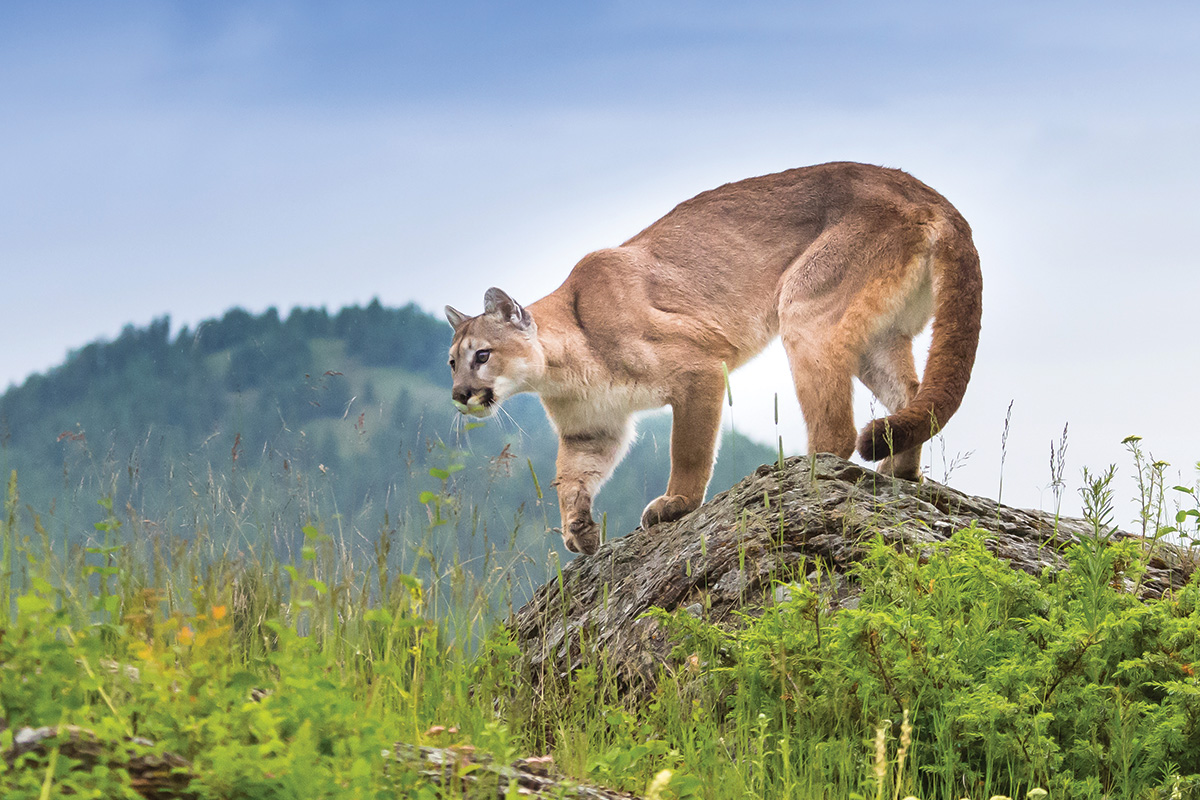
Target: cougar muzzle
474,402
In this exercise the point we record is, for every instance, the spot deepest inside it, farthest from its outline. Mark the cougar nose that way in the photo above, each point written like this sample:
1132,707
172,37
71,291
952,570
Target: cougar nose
460,395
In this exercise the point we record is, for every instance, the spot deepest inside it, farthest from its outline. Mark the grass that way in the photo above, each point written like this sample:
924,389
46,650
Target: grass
286,656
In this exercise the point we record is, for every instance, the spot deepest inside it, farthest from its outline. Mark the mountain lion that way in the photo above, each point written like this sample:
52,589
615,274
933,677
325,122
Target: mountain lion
846,262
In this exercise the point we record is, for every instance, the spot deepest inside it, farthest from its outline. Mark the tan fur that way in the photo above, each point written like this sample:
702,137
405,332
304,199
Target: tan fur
847,262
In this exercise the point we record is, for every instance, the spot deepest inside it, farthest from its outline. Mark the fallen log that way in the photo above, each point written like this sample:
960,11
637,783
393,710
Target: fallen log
153,775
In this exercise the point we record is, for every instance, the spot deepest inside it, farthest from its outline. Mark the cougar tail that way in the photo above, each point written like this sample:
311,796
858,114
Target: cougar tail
958,306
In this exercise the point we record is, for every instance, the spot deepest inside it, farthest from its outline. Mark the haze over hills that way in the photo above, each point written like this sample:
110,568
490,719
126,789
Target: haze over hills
249,427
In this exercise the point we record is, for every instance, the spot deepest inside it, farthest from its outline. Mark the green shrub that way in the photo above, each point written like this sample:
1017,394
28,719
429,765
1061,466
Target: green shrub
1012,681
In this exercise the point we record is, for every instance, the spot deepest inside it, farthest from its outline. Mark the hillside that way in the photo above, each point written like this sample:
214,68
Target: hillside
248,426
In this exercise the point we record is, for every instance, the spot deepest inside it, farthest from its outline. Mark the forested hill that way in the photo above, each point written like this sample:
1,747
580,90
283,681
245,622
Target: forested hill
250,425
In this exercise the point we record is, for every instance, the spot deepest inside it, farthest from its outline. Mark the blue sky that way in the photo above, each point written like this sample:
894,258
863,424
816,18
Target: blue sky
182,158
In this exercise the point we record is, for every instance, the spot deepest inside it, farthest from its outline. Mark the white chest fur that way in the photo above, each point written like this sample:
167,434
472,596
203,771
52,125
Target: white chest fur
594,408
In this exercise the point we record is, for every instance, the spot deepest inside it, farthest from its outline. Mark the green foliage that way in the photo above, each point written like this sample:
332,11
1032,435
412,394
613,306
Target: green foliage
292,688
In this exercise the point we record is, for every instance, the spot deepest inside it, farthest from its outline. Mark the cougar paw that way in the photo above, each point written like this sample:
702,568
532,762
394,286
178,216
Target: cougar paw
667,508
582,535
906,465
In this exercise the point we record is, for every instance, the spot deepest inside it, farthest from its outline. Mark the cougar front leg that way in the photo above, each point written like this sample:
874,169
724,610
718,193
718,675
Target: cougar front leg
585,460
695,424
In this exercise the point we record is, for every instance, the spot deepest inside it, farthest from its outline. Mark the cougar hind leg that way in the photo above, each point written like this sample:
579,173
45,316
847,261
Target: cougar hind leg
886,367
821,371
844,310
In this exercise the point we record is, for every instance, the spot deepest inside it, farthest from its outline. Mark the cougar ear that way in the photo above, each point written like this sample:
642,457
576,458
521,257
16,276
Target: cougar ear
455,317
499,304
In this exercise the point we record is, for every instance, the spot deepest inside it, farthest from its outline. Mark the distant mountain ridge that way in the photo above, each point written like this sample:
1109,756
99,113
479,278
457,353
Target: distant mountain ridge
351,406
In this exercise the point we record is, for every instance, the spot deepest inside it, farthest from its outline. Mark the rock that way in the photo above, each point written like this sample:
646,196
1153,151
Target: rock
740,550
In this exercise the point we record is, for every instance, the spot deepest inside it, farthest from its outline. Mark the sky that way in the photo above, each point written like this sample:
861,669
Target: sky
176,158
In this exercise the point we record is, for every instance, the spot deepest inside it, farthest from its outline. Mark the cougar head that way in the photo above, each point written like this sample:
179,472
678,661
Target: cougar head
494,355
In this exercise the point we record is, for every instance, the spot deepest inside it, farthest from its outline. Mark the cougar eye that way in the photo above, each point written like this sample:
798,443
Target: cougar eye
481,356
452,364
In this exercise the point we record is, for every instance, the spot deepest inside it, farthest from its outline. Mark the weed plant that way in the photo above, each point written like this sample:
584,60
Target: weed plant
294,671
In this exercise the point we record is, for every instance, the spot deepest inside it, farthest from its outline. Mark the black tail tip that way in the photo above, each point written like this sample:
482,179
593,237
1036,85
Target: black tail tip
873,442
